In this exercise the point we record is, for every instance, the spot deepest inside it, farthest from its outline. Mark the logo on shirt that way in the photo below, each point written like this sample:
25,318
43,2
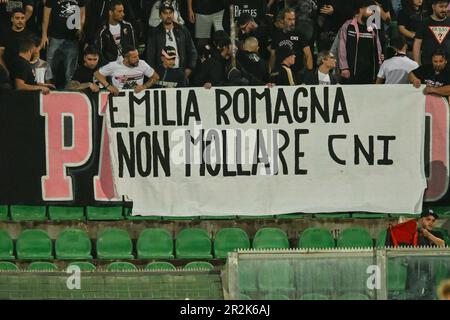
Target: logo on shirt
439,32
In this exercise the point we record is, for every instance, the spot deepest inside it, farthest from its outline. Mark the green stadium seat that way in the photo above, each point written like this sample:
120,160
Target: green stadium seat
381,239
3,213
34,244
193,243
354,296
128,216
316,238
60,213
291,216
160,265
276,276
114,243
155,243
270,238
121,266
6,246
73,244
229,239
28,213
314,296
332,215
105,213
354,238
194,265
8,266
368,215
84,265
396,276
276,297
42,266
230,217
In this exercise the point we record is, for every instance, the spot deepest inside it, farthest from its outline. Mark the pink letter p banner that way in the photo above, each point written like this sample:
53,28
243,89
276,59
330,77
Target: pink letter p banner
60,154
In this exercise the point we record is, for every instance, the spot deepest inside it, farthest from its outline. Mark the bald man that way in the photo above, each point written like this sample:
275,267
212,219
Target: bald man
251,64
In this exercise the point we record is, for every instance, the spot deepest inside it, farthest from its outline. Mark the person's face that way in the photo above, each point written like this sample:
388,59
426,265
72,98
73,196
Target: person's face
290,60
118,13
417,3
427,222
91,61
18,21
289,21
439,63
365,13
168,62
36,52
440,9
249,27
227,51
133,58
330,62
166,16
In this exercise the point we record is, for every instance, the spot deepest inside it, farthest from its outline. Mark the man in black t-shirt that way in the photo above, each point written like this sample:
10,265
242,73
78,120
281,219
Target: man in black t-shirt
22,72
7,8
249,28
291,37
9,40
433,34
62,28
436,76
169,76
83,78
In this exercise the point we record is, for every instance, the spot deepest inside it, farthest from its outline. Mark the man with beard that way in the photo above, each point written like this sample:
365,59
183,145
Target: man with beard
289,36
359,48
436,76
249,28
433,33
127,74
115,34
170,33
9,40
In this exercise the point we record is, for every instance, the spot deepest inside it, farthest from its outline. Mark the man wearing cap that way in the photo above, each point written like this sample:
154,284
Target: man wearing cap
169,76
428,237
170,33
283,75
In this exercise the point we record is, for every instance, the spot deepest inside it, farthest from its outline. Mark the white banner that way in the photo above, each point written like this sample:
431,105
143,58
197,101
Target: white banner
261,151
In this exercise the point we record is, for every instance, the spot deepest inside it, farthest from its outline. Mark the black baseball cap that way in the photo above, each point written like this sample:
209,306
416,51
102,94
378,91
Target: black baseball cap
165,5
284,52
429,212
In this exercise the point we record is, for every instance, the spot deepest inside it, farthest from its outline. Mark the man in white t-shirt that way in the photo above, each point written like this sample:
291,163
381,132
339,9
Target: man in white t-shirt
127,74
396,69
323,75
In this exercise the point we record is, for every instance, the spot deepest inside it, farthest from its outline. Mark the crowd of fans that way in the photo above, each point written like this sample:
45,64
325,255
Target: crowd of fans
138,44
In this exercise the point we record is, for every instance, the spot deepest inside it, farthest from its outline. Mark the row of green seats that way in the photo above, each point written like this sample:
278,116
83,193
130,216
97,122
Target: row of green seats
114,266
158,243
104,213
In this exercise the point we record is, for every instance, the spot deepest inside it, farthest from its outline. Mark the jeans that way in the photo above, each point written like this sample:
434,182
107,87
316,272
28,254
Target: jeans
65,51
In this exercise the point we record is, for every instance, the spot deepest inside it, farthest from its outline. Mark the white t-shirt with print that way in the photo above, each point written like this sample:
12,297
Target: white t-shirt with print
324,78
124,77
